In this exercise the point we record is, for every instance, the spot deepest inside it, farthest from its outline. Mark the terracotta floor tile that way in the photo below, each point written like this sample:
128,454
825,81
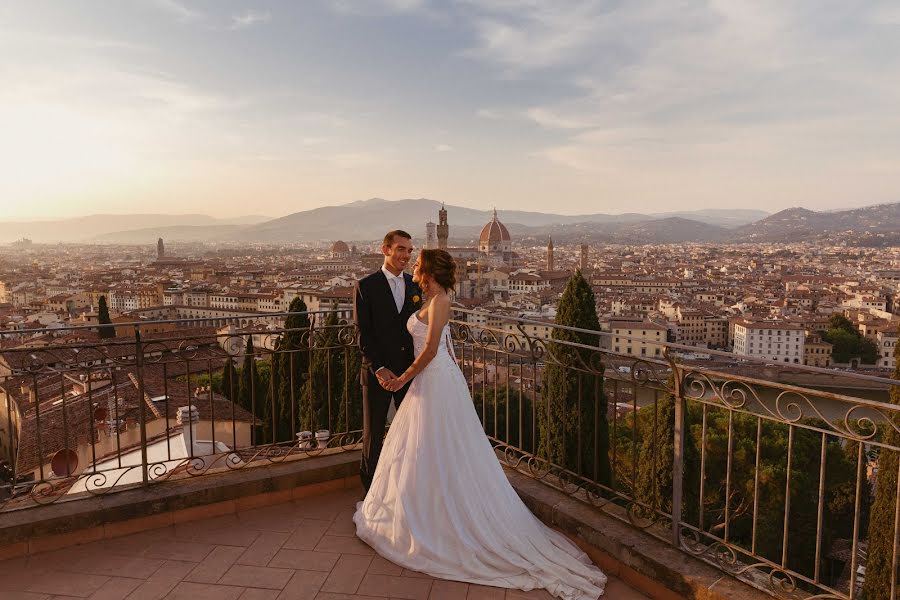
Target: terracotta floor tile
314,508
531,595
416,574
306,560
337,596
388,586
485,592
283,518
99,563
307,534
303,585
204,591
179,550
259,594
24,596
163,581
263,549
226,530
382,566
71,584
448,590
216,563
347,574
343,524
343,544
260,577
117,588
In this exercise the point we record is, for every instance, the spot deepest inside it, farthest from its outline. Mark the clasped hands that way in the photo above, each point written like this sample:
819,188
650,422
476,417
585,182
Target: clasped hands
388,380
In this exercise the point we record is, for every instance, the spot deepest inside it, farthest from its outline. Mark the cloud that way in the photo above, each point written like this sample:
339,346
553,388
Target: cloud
443,148
375,7
177,9
249,19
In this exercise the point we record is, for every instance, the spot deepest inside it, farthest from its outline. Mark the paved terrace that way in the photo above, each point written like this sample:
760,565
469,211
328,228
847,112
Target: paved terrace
304,549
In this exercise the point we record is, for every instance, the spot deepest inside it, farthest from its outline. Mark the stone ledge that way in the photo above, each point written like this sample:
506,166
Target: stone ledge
67,523
641,560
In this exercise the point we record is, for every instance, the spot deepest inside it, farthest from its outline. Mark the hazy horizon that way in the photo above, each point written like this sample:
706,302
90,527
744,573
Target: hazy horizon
231,108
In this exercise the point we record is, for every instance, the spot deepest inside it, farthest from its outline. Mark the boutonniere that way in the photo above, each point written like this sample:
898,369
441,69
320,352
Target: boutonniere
416,299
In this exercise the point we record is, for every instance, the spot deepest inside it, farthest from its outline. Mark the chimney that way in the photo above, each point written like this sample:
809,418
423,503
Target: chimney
188,416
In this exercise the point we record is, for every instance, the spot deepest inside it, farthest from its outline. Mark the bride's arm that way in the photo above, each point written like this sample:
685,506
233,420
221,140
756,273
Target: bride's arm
438,314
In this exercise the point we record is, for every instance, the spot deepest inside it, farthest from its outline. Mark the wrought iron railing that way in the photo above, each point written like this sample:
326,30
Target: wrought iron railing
81,415
768,481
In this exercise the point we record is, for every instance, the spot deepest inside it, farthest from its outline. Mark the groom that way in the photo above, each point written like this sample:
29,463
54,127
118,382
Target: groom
382,304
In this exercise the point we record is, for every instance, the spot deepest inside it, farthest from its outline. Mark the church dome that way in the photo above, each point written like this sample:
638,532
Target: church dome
494,231
340,246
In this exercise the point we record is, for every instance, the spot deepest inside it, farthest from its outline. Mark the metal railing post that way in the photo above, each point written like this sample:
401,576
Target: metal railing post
678,458
142,410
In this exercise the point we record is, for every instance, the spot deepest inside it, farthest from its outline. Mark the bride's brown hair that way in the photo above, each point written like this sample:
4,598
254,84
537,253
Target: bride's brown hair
438,265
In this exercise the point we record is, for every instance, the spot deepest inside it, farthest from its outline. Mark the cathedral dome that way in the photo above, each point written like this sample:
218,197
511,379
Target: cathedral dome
340,246
494,231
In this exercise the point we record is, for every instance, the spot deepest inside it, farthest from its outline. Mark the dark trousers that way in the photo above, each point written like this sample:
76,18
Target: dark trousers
376,402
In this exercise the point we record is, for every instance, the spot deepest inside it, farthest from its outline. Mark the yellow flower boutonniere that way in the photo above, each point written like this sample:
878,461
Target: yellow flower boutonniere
416,299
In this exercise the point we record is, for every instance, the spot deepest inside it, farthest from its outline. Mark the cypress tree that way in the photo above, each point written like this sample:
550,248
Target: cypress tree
292,368
249,398
324,387
655,469
572,402
881,517
231,384
106,330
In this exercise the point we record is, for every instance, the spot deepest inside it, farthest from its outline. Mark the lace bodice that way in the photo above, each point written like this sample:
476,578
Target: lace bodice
419,332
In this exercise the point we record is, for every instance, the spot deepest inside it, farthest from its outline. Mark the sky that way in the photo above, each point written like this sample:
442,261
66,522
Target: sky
230,107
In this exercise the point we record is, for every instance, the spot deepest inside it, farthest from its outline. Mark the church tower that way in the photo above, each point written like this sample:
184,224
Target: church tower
430,235
160,249
443,229
550,261
584,259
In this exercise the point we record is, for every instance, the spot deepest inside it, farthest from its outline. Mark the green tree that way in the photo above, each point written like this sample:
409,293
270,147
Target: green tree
881,522
840,322
106,330
292,366
514,412
656,460
229,385
349,417
250,396
324,386
572,405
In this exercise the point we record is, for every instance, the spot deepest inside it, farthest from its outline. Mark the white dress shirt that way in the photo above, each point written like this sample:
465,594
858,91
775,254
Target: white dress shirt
398,287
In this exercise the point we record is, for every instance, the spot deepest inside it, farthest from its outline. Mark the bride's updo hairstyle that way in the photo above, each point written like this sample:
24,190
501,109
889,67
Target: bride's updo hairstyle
437,265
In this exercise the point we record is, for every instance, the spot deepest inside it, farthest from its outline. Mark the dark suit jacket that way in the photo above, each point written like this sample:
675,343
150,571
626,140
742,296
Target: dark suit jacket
383,338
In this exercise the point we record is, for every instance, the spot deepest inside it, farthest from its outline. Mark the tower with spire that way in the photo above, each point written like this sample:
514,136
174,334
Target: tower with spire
443,229
550,261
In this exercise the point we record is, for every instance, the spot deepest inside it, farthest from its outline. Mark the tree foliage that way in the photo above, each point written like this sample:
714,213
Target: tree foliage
572,404
881,523
106,330
292,370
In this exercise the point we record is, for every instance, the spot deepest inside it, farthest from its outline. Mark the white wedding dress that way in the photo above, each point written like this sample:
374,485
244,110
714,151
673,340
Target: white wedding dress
441,504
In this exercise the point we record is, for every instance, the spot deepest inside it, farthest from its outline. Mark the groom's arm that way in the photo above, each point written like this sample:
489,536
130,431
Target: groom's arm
362,311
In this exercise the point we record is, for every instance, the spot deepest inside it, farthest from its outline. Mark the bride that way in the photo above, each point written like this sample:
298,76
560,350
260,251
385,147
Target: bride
440,502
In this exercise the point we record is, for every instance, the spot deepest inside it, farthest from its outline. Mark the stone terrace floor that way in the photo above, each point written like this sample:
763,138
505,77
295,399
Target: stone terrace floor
304,550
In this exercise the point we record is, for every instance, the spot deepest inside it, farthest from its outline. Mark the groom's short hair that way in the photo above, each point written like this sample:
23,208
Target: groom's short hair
389,237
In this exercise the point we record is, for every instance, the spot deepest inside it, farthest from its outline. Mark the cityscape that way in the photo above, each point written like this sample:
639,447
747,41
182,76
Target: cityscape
669,237
719,296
